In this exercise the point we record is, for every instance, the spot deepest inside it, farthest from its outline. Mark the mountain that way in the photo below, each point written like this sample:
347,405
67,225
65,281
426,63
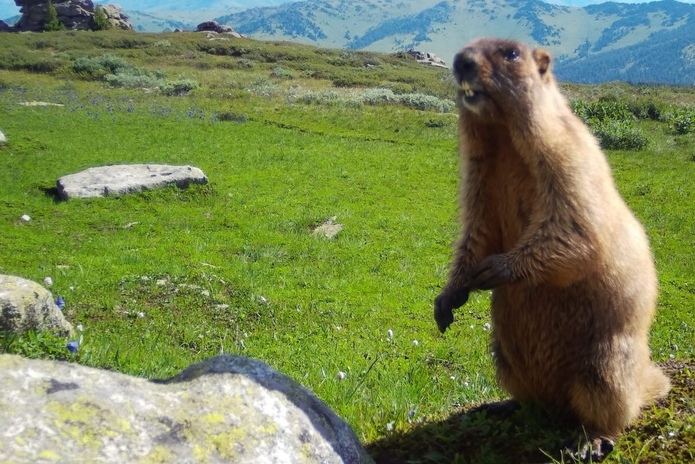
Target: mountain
644,42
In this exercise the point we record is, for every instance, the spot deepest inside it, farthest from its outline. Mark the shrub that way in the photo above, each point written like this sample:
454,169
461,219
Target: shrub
645,109
281,73
179,87
101,66
681,121
100,22
427,102
618,135
602,110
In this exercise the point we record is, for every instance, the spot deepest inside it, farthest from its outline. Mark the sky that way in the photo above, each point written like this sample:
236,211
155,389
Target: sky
9,9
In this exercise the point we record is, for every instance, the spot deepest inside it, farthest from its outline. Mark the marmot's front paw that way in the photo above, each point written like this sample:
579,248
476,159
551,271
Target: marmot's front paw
444,306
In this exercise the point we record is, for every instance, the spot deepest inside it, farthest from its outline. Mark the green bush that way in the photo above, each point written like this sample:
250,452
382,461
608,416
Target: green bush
645,109
606,109
101,66
100,22
281,73
178,88
680,120
618,135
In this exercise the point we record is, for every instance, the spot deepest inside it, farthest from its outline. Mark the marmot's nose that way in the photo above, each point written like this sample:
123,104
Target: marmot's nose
465,65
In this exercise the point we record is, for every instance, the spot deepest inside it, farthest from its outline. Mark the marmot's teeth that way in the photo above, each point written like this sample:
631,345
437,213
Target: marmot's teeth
467,90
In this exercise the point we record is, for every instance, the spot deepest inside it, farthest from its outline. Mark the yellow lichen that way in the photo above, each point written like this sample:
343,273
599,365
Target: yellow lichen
50,455
157,455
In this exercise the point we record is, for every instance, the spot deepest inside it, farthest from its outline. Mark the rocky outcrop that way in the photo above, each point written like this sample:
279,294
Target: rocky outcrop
226,409
73,14
213,27
427,58
127,178
26,305
116,17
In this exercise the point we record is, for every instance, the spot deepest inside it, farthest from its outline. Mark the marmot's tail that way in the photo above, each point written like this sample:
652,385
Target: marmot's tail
655,384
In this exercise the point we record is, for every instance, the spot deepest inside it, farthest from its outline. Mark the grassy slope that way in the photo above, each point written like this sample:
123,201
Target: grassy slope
162,279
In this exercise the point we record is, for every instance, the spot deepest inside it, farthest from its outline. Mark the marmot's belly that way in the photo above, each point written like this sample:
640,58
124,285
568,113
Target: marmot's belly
548,335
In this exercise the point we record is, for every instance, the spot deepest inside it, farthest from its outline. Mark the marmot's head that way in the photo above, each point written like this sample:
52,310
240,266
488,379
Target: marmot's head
498,78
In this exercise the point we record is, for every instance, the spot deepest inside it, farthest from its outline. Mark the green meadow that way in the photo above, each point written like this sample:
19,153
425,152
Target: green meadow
289,137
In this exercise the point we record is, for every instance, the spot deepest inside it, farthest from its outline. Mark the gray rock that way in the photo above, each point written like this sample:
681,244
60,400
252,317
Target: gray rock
214,26
26,305
226,409
73,14
329,228
126,178
3,139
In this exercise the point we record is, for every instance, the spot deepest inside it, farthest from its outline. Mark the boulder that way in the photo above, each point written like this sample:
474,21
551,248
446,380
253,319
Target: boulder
226,409
73,14
26,305
214,26
427,58
117,17
128,178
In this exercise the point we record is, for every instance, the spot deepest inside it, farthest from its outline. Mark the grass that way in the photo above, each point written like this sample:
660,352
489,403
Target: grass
165,278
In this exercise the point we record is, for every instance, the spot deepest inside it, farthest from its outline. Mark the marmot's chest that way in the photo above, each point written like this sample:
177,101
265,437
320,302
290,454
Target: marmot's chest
514,199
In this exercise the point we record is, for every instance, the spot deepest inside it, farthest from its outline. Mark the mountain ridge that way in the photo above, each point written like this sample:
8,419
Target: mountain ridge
591,44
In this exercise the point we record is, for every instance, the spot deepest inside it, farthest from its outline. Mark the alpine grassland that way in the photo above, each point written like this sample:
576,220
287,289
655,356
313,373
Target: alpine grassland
291,136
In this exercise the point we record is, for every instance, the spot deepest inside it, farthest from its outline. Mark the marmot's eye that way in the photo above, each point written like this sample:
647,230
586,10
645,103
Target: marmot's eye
511,54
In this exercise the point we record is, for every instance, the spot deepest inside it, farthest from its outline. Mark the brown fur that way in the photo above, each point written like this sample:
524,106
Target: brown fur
573,278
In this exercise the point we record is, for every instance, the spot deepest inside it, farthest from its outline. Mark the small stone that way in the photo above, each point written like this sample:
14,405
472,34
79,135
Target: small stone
48,281
341,375
25,218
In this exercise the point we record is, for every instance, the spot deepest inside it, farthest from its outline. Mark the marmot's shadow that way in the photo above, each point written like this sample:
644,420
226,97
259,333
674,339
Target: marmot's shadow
490,433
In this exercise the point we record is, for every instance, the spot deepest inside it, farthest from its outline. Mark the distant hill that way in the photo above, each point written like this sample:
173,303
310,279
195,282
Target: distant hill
592,43
644,42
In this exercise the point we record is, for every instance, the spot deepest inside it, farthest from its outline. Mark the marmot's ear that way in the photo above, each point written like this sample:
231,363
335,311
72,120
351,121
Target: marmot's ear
542,59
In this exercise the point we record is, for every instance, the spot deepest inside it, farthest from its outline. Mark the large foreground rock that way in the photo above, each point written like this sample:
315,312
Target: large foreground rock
227,409
128,178
26,305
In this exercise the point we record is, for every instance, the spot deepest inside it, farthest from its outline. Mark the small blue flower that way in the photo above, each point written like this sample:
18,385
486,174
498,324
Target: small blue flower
60,302
72,347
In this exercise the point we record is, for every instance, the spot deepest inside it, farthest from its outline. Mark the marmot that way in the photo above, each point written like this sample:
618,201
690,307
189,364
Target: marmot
573,280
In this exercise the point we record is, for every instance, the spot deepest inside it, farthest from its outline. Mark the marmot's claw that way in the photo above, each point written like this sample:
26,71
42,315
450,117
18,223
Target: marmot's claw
588,450
444,305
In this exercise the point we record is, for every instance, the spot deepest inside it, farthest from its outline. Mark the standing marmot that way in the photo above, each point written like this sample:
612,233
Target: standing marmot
544,226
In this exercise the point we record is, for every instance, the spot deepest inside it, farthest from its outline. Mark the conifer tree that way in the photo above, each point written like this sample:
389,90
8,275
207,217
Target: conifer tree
52,23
